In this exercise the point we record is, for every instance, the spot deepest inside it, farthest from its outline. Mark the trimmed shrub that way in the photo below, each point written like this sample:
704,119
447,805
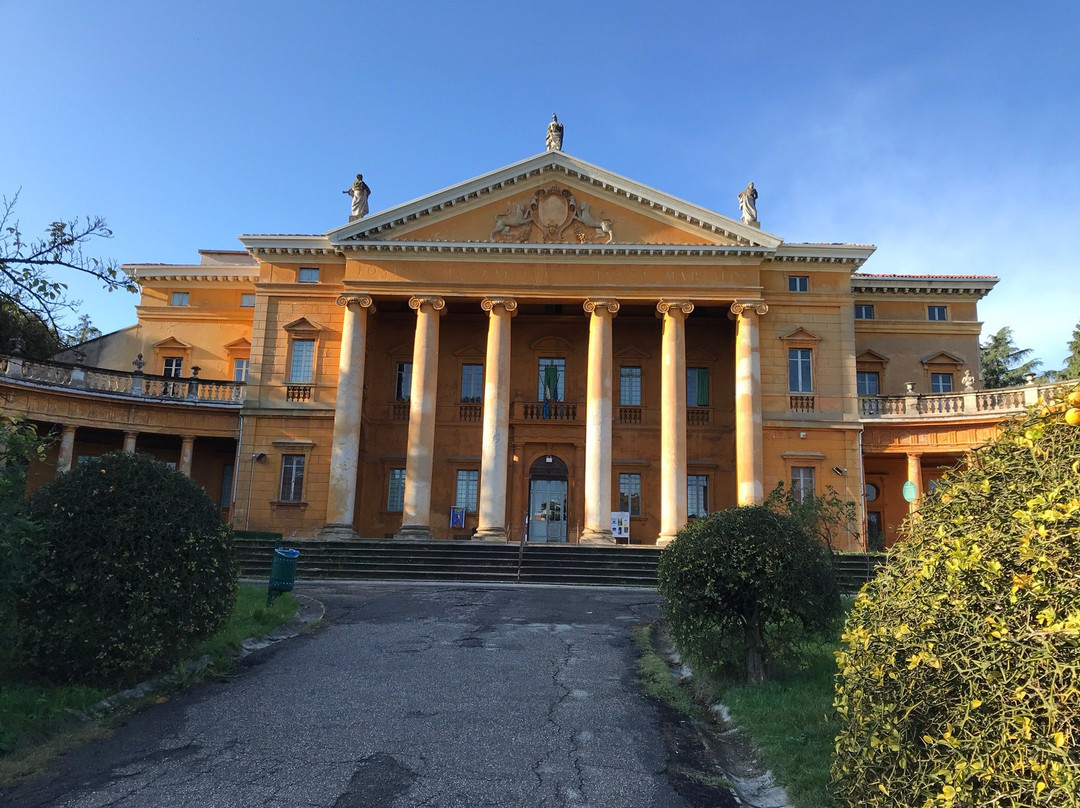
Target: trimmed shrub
133,564
960,670
744,586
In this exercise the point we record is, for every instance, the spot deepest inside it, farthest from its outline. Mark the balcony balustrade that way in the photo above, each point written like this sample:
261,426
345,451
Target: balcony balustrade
1007,401
128,384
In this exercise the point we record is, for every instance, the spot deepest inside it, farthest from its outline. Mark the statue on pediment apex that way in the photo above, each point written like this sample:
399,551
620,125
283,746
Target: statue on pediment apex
554,134
359,193
748,204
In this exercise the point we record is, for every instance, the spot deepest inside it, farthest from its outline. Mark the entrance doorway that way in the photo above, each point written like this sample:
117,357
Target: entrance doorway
547,500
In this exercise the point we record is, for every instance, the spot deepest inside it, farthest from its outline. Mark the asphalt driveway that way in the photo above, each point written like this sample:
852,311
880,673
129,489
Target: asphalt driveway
411,695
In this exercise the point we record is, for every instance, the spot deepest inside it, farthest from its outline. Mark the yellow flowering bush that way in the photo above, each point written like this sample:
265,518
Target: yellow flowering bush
959,672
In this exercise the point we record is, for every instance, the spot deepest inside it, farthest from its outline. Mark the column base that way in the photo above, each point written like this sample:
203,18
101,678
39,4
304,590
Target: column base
596,537
414,533
664,541
494,534
337,532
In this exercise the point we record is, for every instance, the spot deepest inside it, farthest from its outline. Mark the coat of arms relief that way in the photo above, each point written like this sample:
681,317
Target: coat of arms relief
553,215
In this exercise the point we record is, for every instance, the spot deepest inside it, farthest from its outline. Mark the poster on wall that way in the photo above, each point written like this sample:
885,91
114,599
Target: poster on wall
620,525
457,518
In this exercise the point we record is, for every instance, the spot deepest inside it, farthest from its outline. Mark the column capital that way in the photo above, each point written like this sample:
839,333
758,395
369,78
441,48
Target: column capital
361,299
436,303
672,306
508,303
746,306
594,306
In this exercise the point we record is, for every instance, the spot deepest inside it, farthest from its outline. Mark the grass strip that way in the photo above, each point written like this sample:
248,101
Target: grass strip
790,720
38,722
655,676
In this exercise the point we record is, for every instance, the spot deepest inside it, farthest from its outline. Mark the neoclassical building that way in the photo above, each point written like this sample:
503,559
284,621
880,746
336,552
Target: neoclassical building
531,350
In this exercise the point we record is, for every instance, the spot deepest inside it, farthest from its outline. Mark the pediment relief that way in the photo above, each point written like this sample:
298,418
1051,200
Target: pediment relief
801,335
304,325
552,215
550,343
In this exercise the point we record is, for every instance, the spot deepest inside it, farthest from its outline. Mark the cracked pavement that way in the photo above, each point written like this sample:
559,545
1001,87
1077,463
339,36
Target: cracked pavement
410,695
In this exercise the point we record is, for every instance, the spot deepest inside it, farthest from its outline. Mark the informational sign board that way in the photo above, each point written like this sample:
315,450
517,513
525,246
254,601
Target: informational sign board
620,525
457,518
910,491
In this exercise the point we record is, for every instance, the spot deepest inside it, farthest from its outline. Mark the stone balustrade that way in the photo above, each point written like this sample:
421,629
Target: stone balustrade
133,384
1006,401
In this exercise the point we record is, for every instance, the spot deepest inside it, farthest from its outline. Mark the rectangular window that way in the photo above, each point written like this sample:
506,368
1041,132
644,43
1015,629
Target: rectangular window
395,497
552,384
179,299
941,383
247,301
798,283
292,478
630,386
867,382
472,383
802,482
799,379
302,368
226,486
173,367
697,495
937,312
308,275
864,311
403,381
240,369
630,493
697,387
468,484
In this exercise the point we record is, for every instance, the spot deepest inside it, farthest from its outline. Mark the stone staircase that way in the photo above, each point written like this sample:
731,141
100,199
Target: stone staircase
483,562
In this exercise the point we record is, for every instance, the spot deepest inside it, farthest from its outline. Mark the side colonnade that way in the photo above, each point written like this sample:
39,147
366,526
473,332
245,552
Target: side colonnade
495,450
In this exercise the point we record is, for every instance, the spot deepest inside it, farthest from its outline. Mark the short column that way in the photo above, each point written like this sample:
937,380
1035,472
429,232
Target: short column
187,447
491,518
914,475
129,442
749,465
345,450
598,424
416,511
673,418
67,449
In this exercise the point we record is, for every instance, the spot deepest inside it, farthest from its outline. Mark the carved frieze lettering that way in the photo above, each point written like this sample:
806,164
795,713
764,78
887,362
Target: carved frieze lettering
552,216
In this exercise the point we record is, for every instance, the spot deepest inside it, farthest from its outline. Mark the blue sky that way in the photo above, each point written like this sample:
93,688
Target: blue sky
944,133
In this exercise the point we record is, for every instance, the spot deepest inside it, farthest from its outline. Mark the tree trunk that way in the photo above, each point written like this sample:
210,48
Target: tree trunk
754,643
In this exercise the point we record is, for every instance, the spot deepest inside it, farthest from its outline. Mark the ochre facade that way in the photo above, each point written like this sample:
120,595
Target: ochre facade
542,346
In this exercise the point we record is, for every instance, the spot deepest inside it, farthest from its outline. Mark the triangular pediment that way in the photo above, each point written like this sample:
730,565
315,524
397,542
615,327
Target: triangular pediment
303,324
871,357
172,342
800,334
942,358
242,344
552,198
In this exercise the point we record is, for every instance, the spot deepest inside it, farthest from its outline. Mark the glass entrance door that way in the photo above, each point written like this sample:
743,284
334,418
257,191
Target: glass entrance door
547,510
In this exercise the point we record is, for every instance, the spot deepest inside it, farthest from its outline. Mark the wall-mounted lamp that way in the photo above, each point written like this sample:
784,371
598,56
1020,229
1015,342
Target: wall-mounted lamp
839,471
260,457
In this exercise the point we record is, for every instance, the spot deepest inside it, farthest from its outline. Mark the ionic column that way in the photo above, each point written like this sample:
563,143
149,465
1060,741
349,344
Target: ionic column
673,418
749,466
345,450
491,521
914,474
129,442
187,447
416,513
598,424
67,449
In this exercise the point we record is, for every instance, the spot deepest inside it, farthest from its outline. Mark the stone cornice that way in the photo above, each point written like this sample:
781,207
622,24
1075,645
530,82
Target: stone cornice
934,285
190,274
855,254
552,162
474,249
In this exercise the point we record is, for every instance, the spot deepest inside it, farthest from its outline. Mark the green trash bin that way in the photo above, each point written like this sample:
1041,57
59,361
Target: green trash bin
282,573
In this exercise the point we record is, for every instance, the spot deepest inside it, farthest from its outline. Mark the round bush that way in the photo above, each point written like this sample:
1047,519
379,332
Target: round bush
133,564
960,670
744,586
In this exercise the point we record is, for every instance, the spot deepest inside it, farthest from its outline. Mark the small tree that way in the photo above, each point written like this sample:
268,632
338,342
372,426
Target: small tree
1003,364
1072,364
747,579
828,517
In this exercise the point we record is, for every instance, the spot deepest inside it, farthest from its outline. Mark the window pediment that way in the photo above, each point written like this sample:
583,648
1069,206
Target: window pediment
800,337
943,359
304,326
550,343
871,359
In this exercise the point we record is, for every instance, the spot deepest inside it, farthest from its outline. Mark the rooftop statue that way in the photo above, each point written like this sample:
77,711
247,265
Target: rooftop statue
748,204
359,193
554,134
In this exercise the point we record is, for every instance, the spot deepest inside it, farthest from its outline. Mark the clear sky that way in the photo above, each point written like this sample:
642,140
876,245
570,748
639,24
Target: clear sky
945,133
